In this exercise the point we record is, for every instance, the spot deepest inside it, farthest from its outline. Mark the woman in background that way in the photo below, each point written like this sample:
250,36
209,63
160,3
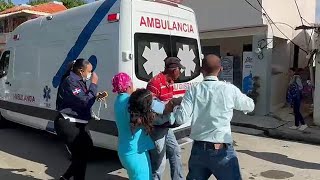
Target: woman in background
294,97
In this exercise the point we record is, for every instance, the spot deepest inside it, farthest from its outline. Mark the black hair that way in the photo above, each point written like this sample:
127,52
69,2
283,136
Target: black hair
296,71
293,69
140,109
75,67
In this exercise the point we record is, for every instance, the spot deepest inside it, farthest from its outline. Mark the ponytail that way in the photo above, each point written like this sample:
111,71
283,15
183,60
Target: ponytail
75,66
69,69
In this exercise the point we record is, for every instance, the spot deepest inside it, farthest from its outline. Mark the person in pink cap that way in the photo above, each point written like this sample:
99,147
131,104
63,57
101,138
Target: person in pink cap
134,113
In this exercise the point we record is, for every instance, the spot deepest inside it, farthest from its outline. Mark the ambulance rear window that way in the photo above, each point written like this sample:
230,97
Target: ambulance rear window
152,49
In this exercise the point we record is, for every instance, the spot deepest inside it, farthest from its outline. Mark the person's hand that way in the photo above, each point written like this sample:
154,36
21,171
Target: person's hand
102,95
94,78
176,101
168,108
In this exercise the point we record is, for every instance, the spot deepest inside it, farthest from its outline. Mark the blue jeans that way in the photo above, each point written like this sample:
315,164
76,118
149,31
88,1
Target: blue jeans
206,161
298,118
166,145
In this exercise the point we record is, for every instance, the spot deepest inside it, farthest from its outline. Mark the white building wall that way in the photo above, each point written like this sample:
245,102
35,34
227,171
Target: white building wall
279,77
222,17
285,11
229,45
285,15
222,14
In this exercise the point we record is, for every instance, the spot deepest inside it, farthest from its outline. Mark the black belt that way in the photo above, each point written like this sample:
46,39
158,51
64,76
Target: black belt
210,145
209,80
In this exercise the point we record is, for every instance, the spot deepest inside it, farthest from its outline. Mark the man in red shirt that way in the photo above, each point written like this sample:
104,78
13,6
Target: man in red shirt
161,87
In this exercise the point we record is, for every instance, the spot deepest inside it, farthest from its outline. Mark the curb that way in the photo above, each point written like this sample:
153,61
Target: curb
252,126
279,134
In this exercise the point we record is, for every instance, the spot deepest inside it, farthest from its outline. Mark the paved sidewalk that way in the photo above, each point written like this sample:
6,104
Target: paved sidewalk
273,127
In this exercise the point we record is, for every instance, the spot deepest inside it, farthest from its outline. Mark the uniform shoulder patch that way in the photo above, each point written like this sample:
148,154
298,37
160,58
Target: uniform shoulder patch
76,91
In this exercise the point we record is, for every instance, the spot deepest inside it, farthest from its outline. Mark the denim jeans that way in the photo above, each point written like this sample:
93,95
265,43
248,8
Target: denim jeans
296,110
166,146
206,161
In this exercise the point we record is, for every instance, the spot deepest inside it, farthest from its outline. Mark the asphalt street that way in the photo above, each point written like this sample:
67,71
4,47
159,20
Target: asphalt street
27,154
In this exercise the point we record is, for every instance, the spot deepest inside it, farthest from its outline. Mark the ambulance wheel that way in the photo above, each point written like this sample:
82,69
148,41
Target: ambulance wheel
3,122
68,152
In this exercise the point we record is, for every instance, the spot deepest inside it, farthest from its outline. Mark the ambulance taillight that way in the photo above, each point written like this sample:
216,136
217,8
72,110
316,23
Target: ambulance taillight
113,17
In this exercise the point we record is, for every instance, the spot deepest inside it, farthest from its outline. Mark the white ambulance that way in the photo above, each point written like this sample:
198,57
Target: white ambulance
132,36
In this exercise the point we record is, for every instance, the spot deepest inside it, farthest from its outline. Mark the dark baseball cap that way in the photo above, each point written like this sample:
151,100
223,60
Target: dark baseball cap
173,62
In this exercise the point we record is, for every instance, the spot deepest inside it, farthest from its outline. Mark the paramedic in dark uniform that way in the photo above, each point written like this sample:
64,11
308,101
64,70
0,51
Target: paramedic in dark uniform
74,102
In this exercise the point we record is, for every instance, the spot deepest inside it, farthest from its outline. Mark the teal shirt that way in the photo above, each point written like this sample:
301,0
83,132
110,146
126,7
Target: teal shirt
128,142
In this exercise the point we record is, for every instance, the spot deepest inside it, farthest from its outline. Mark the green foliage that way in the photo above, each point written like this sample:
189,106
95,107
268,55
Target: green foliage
6,4
36,2
73,3
67,3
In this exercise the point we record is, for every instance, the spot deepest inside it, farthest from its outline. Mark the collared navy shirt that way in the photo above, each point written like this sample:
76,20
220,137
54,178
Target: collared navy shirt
74,98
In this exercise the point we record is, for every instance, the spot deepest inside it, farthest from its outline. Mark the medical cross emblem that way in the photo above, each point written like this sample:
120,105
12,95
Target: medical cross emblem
76,91
46,94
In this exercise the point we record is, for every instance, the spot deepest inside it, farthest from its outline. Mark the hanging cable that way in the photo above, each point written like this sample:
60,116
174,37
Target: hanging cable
253,6
302,19
279,28
306,21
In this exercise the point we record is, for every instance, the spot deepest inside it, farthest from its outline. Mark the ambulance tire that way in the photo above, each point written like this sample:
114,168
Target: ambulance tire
68,152
3,122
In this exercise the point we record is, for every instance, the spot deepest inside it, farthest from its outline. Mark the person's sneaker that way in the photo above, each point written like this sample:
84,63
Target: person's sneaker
303,127
293,127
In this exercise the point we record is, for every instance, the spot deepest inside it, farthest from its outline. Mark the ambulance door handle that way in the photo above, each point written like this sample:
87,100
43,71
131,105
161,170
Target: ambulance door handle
8,83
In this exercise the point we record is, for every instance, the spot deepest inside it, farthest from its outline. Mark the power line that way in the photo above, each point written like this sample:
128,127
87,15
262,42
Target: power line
302,19
268,17
253,6
306,21
271,30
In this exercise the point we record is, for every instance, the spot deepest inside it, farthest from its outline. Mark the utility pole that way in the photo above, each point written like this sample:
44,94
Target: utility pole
316,99
314,56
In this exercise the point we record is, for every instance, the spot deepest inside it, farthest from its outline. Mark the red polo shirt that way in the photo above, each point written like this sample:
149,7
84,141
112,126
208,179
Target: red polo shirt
161,88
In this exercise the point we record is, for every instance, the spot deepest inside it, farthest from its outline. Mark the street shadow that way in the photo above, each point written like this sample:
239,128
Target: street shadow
114,177
281,159
14,174
44,148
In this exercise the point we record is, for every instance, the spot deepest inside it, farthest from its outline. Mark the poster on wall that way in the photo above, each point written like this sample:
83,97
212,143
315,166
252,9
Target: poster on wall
247,78
227,73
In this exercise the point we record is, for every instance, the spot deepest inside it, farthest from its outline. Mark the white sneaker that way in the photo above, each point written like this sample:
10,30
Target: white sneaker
303,127
293,127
